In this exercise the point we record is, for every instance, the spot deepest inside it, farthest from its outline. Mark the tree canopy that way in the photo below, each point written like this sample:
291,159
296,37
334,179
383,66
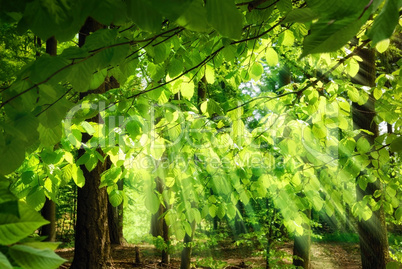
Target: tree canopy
250,136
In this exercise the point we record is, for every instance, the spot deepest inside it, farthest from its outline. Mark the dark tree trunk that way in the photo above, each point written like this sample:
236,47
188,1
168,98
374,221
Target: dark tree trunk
373,232
49,213
186,252
159,226
92,240
240,227
301,247
49,209
165,252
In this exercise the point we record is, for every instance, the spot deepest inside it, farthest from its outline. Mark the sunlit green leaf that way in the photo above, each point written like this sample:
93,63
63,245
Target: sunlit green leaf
383,45
271,57
209,74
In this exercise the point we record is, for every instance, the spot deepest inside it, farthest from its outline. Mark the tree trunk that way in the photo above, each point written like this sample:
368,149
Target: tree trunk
49,209
301,247
373,232
159,226
92,241
165,252
186,252
49,213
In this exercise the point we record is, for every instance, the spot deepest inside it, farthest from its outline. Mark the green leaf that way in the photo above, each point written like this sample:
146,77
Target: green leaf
13,228
10,207
362,145
300,15
41,245
352,67
353,94
288,146
175,68
36,198
152,202
238,129
48,19
212,210
209,74
196,215
187,89
4,263
284,6
396,145
390,191
31,258
97,79
110,176
231,211
158,148
221,211
271,57
83,159
195,17
88,127
256,71
116,197
92,162
318,203
393,265
328,36
134,128
78,176
398,214
383,45
210,107
225,18
287,38
159,53
377,93
319,130
385,22
145,15
187,228
12,154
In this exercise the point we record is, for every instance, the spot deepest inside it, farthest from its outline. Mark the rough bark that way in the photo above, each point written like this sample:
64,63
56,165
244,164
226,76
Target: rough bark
373,232
92,241
49,209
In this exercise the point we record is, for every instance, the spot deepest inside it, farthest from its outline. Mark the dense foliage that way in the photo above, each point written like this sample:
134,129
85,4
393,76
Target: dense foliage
250,137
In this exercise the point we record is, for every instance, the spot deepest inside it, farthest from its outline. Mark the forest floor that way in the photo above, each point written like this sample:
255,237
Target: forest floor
330,255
